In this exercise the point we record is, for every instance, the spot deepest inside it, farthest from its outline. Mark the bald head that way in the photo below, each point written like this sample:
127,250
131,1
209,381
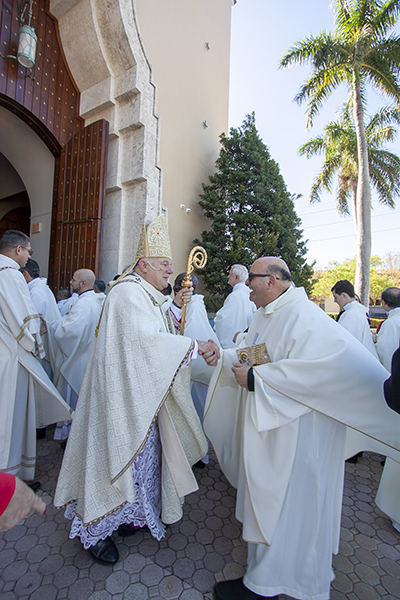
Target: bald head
268,278
82,281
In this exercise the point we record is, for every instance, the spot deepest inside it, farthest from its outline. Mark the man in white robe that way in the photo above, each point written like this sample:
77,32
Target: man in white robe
278,430
387,342
197,326
237,311
27,397
46,306
65,303
135,434
73,336
354,318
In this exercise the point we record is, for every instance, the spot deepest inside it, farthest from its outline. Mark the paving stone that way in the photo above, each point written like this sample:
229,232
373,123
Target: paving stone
342,563
365,592
15,570
367,574
82,589
177,541
391,584
7,557
342,582
100,595
233,571
205,536
223,546
203,580
389,551
214,562
117,582
170,587
136,591
165,557
66,576
51,564
183,568
191,594
151,575
28,583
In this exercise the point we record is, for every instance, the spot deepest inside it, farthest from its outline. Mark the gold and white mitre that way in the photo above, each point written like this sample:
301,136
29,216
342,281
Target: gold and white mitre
154,241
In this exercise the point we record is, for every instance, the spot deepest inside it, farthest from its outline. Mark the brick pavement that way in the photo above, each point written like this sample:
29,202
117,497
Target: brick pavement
39,562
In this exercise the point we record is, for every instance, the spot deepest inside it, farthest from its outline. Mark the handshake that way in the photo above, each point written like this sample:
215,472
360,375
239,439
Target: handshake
209,351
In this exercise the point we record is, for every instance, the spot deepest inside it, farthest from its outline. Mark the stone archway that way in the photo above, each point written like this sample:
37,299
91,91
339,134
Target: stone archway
31,159
106,58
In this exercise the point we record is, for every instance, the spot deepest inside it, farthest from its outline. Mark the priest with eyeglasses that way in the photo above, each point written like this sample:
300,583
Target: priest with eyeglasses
276,413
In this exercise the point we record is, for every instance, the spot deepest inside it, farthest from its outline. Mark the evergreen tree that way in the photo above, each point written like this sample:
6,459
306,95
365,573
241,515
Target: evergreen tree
251,212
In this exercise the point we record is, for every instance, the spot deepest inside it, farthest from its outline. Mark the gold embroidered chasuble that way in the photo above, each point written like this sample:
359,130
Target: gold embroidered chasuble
134,377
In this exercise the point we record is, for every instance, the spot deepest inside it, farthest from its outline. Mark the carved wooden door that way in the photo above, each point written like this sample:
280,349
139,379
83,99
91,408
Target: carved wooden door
78,205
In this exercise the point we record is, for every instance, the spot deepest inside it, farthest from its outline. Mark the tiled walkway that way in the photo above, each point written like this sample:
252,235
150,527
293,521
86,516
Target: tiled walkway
39,562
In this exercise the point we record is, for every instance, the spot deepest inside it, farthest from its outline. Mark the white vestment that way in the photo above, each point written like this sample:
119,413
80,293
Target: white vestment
64,306
45,304
28,399
197,326
388,498
134,382
74,336
282,445
354,320
234,316
388,339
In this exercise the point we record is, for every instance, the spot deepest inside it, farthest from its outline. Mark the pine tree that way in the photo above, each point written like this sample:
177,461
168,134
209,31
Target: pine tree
251,212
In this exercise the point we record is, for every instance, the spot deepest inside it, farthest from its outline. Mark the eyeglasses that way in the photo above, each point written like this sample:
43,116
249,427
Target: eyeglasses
30,251
252,275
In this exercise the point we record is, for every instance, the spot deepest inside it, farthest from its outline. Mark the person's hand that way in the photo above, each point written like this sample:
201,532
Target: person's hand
240,372
183,296
22,502
209,351
43,326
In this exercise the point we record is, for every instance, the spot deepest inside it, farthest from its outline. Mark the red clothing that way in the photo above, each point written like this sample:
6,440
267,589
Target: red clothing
7,487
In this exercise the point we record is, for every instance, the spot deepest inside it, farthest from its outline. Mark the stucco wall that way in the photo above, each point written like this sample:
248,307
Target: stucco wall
192,87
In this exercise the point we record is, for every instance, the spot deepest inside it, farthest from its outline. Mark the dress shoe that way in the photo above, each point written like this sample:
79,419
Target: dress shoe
127,530
41,433
354,459
199,465
34,485
236,590
105,551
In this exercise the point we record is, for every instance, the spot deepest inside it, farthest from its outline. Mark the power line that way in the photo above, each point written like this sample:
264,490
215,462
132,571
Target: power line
340,222
338,237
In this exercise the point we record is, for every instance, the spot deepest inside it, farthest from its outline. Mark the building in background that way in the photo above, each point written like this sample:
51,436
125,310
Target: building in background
120,116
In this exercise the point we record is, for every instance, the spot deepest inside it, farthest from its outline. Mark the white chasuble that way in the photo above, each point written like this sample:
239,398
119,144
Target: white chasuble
134,377
73,336
235,315
317,368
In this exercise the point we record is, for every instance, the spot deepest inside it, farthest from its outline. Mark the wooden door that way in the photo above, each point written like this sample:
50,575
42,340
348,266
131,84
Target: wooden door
78,205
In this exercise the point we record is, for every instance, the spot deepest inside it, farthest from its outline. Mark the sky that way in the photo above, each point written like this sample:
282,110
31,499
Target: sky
262,31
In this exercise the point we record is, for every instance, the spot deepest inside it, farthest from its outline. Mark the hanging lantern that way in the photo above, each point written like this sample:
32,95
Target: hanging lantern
27,46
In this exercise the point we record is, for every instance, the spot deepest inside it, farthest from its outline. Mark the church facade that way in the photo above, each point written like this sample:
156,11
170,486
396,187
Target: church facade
119,117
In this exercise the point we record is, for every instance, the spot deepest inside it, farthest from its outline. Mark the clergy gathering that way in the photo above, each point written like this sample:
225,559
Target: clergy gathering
199,365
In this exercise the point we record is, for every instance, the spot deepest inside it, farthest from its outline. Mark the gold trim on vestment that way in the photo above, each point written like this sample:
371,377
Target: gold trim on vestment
23,326
4,268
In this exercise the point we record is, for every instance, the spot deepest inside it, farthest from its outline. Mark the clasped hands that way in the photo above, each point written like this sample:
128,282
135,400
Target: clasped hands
209,351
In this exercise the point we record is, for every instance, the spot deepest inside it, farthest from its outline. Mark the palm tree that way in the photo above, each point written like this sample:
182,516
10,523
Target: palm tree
358,52
338,144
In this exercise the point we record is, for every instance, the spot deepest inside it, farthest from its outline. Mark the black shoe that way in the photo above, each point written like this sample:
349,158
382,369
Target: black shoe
105,551
41,433
34,485
354,459
235,590
126,530
199,465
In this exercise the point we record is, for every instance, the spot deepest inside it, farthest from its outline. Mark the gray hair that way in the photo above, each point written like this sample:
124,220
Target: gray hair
240,271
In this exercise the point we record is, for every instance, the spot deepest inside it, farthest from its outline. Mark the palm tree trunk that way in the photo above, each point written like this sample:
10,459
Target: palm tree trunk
363,201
